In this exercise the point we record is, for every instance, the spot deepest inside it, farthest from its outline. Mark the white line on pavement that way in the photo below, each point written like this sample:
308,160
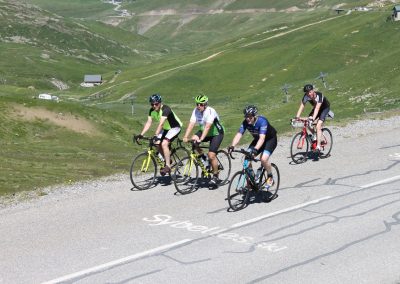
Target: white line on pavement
114,263
381,182
280,211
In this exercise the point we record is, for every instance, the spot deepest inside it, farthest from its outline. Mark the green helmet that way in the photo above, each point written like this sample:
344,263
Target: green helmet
201,99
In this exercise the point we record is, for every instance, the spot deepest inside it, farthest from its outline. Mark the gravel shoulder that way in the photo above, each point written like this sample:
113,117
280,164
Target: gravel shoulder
374,124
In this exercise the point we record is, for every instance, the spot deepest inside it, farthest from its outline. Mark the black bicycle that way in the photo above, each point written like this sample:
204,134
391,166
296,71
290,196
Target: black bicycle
246,181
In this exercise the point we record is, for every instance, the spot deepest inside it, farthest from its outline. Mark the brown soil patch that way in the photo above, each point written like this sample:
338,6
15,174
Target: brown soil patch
69,121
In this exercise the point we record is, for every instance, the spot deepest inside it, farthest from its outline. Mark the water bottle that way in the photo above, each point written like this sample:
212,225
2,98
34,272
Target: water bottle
205,160
160,156
259,171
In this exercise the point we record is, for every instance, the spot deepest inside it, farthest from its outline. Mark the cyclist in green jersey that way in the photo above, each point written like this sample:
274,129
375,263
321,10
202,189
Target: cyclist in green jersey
169,127
211,130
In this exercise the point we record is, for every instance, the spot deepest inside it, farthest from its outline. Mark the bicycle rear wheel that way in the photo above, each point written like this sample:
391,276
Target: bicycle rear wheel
224,166
238,191
185,176
271,191
299,148
326,143
143,171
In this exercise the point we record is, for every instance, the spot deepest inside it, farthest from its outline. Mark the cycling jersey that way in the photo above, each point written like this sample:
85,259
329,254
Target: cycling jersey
319,98
261,126
209,115
172,119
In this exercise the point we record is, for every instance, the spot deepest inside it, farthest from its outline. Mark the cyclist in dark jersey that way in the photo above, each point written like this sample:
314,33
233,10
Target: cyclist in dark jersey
264,138
169,127
321,109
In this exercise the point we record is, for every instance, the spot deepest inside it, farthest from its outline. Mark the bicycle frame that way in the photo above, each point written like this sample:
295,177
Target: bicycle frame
305,135
250,176
195,159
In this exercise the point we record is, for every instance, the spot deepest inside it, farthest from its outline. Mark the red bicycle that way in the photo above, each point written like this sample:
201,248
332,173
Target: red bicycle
305,142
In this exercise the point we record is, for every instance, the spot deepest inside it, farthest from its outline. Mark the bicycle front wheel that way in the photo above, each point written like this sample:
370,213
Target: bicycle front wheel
177,154
326,143
270,190
299,148
185,176
224,166
238,191
143,171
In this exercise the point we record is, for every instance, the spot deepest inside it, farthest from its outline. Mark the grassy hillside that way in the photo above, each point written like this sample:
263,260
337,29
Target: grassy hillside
236,59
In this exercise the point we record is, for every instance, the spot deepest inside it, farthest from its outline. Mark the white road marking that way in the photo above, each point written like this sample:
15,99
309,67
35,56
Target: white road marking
279,212
381,182
117,262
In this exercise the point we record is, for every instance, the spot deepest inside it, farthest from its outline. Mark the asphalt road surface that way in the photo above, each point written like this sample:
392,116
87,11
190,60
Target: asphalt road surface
336,220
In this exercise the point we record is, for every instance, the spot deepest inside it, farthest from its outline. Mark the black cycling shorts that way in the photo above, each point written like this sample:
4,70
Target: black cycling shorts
215,141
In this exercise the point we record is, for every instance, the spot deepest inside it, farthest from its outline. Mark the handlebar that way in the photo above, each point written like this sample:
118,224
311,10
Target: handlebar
299,122
246,153
151,140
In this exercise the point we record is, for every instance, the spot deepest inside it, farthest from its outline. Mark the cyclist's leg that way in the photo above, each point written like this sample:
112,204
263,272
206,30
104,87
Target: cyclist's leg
197,137
215,142
321,118
267,150
169,136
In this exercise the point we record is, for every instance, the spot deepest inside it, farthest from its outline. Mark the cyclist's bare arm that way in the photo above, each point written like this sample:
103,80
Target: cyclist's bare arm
188,131
260,141
205,131
147,125
236,139
316,111
160,125
301,108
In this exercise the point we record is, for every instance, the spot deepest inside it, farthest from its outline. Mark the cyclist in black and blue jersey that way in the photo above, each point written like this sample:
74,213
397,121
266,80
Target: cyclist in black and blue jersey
264,134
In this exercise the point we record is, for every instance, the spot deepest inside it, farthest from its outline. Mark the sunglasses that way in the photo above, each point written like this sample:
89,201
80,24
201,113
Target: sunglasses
201,105
248,116
155,104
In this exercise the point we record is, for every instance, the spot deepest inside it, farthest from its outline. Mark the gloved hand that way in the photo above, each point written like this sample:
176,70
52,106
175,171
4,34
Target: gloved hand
136,138
253,151
230,149
155,139
310,121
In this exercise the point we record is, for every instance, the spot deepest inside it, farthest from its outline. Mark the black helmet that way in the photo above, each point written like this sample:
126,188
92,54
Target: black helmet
250,110
155,98
307,88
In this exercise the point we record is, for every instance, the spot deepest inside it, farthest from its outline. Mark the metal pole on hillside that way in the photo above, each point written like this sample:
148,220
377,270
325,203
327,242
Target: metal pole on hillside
285,89
322,77
132,103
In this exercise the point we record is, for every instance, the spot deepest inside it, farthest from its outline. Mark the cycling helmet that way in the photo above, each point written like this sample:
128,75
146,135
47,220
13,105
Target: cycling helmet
307,88
201,99
155,98
250,110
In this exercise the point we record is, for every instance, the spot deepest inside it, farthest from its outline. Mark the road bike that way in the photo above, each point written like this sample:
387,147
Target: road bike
145,165
245,182
187,174
305,142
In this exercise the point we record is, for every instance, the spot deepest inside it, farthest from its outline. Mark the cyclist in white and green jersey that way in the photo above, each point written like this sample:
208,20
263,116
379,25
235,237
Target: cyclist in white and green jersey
169,127
211,130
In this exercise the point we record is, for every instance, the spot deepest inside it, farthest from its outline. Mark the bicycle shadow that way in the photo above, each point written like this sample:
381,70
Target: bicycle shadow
302,157
159,181
257,197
